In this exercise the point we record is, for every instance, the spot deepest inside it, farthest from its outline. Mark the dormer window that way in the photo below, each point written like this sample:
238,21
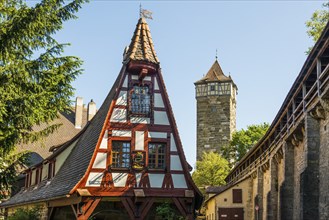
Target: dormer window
140,100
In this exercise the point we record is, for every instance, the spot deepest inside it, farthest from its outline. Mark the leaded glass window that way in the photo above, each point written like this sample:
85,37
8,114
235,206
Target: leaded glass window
120,154
157,155
140,100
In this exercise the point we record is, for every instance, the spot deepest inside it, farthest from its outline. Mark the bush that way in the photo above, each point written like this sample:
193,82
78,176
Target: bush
26,214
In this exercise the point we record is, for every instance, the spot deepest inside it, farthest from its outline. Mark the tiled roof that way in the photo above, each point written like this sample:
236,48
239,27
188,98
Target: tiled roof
141,47
74,166
215,189
63,134
215,73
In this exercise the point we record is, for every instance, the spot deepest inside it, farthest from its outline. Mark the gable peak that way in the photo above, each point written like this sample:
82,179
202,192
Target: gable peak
215,73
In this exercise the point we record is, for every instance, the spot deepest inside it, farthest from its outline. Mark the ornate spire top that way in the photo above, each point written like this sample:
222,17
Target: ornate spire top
141,47
216,55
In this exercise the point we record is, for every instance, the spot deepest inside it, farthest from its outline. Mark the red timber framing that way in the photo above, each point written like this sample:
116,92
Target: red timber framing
137,209
84,212
153,183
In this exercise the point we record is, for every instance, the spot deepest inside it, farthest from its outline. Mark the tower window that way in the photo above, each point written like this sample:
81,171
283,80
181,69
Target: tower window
120,154
140,102
157,155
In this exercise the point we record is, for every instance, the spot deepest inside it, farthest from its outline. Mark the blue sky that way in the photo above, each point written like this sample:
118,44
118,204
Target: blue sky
260,43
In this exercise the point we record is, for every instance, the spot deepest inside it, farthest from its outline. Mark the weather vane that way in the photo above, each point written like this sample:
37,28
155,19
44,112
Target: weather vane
143,13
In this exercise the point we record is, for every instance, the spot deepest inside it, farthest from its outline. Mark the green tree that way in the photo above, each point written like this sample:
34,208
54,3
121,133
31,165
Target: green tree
167,212
317,23
35,78
26,214
211,170
242,141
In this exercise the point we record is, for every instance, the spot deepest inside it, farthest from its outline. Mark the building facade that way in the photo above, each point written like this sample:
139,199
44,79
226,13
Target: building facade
286,174
126,161
216,110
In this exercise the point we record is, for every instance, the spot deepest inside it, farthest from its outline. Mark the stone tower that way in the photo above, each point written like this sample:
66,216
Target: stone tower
216,110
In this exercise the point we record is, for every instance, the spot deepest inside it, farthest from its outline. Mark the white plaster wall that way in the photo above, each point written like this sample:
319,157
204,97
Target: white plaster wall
119,179
44,171
157,135
156,180
33,177
172,143
125,82
100,161
147,78
179,180
138,178
118,115
94,179
60,159
156,85
122,98
104,140
158,102
121,133
139,120
161,118
139,140
175,163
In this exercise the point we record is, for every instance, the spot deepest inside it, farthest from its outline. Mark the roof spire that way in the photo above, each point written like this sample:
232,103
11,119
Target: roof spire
216,54
140,10
141,47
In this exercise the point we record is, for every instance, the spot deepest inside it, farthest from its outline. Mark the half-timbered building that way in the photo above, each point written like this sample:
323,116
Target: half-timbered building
126,161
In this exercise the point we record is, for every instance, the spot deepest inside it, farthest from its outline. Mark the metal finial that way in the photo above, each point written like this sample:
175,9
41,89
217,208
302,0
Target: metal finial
216,55
140,10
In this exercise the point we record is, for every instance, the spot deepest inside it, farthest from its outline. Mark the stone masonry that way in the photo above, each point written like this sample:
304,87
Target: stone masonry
216,111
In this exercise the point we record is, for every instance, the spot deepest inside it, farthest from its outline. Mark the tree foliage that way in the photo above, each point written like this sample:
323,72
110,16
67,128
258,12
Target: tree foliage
26,214
35,76
317,23
242,141
166,211
211,170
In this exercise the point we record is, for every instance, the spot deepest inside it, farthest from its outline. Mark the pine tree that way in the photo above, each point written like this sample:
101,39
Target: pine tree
35,78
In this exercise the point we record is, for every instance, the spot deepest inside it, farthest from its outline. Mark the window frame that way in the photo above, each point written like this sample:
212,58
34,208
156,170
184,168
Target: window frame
157,154
149,93
51,169
121,153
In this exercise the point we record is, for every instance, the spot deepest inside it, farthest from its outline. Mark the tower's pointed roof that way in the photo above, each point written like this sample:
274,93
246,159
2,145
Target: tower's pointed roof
215,73
141,47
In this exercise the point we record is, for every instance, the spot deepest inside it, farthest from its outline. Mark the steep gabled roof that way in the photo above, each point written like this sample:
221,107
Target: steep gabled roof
63,134
76,164
141,47
214,74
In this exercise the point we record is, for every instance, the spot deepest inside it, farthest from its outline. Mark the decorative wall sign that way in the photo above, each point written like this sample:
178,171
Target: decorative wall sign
138,160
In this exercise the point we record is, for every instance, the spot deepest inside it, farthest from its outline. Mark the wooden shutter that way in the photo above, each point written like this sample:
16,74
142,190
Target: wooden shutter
237,195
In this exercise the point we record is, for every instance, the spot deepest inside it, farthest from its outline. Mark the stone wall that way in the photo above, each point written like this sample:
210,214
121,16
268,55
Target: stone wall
43,209
324,164
215,116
